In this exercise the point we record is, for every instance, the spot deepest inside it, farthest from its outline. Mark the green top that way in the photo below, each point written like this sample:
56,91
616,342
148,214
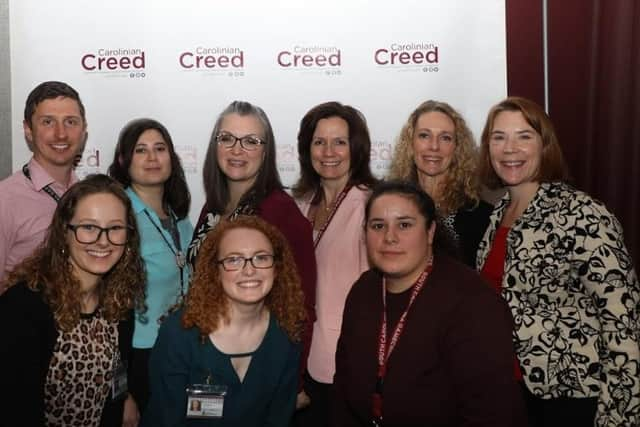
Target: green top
179,358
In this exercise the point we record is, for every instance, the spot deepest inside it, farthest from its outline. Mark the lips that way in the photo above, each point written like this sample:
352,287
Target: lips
99,254
512,163
237,163
249,284
60,147
330,164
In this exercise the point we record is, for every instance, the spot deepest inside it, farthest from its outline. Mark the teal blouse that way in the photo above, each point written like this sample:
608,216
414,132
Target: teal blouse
163,275
180,358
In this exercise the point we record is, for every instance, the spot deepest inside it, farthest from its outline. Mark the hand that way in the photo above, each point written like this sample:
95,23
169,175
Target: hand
131,415
302,400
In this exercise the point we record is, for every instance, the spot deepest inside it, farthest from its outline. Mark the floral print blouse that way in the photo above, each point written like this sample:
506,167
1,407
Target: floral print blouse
573,294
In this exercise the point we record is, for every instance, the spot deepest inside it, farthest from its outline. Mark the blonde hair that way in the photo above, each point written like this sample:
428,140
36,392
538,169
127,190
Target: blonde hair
460,186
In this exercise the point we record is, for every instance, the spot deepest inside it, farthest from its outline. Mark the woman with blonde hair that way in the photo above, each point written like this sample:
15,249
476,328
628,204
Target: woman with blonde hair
436,151
66,320
235,345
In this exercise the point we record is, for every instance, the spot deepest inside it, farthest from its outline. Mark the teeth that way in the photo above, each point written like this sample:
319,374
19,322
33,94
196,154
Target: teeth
60,146
99,254
330,163
251,284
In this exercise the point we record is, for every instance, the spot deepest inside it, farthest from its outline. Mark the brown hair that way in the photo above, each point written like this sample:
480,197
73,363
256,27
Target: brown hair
552,164
359,147
460,185
49,271
206,303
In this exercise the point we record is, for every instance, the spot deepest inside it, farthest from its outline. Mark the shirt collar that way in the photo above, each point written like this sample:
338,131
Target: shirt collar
136,203
41,178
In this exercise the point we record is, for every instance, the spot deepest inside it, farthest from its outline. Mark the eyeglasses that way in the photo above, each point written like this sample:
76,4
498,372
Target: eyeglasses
247,142
235,263
90,233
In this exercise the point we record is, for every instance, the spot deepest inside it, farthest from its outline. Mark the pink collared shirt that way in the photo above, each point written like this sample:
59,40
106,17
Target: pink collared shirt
25,214
341,257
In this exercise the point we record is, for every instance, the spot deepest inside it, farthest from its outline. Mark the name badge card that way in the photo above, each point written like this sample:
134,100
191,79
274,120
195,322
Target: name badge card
205,401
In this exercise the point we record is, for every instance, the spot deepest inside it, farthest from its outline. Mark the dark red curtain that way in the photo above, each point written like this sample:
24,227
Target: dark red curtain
594,93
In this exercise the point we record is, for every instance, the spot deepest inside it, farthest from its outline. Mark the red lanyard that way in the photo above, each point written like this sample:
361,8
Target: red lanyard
324,227
384,352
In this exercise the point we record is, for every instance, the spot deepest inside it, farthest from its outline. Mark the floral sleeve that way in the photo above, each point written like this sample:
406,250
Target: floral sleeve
606,270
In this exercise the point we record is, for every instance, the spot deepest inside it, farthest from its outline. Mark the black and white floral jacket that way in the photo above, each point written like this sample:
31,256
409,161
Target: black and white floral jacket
574,297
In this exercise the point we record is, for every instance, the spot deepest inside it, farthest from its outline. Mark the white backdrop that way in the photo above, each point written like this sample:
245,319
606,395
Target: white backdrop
131,59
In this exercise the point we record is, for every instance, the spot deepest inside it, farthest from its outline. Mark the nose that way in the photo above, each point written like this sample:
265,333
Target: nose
509,145
434,144
237,147
390,235
61,131
248,269
329,149
103,239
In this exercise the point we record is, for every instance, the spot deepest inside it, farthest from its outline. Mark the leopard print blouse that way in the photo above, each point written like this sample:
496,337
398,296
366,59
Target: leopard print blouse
80,372
574,296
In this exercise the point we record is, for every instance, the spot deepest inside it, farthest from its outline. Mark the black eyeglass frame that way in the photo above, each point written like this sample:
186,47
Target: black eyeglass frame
244,264
107,230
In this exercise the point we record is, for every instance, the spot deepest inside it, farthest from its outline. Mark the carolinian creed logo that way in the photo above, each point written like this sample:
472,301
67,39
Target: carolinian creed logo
310,57
404,55
209,58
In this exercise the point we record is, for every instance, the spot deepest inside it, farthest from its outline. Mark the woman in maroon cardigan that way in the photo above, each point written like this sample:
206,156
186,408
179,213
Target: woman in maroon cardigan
424,341
241,178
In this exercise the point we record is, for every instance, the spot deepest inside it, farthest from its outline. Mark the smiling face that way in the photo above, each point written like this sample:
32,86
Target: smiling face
249,285
56,132
515,149
330,152
398,241
240,165
433,143
150,161
91,261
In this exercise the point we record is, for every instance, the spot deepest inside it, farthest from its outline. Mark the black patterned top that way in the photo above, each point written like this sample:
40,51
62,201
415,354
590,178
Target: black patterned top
573,294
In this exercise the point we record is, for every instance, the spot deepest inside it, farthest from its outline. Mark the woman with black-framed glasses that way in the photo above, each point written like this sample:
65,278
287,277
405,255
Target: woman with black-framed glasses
230,356
66,320
241,178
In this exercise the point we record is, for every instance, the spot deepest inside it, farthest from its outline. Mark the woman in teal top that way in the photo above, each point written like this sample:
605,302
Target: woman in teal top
146,163
230,357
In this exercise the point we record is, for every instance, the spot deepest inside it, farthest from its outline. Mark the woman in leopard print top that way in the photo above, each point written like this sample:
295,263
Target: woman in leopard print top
559,260
66,319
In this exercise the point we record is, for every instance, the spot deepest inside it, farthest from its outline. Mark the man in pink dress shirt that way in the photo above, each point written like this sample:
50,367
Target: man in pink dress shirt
55,129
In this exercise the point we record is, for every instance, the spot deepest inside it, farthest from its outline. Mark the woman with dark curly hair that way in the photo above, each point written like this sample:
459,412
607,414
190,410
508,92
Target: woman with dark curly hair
557,256
235,346
436,151
66,320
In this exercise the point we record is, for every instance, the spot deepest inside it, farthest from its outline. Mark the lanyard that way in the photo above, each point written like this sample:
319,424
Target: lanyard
384,352
47,188
336,205
180,257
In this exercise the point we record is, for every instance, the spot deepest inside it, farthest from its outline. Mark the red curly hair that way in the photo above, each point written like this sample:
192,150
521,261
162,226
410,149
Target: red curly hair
206,303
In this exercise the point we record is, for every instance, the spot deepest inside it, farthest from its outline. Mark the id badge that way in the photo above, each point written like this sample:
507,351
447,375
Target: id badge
119,385
205,400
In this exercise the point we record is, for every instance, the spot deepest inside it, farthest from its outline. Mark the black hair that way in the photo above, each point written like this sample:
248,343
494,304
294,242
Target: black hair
176,192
